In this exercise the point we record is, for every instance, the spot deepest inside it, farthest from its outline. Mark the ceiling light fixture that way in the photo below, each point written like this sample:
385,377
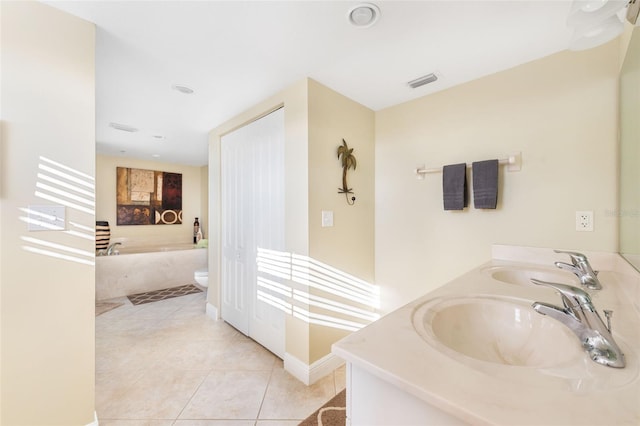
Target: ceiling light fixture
182,89
421,81
123,127
595,22
363,15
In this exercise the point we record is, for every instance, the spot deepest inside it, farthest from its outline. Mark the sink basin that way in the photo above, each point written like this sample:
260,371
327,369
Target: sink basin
522,276
503,331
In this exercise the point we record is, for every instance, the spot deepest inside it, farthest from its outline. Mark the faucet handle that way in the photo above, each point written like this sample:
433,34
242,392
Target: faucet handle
574,296
575,256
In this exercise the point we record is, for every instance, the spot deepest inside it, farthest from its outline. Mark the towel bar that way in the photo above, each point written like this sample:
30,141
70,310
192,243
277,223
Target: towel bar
513,163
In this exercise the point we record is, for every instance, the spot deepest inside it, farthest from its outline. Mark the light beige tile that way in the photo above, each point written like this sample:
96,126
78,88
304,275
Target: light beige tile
138,354
278,422
195,355
228,395
288,398
196,328
108,422
113,385
156,395
215,423
247,355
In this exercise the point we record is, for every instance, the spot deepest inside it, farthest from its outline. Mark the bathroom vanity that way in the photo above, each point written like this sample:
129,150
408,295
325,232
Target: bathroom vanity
475,352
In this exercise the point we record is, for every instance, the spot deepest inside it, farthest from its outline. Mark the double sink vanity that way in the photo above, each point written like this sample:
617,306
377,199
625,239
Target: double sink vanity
494,347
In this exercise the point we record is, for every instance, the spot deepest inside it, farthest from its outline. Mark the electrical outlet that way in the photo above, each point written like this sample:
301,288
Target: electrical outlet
584,221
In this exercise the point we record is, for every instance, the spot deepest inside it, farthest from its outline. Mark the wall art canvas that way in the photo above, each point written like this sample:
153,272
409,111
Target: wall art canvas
148,197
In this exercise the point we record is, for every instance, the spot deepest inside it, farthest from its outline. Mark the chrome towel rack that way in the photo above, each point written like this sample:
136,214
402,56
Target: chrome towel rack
513,163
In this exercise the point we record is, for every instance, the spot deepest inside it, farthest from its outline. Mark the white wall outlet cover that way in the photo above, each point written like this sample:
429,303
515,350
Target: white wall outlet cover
327,218
584,221
46,218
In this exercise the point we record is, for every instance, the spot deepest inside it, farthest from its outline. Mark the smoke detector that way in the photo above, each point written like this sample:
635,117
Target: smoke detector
363,15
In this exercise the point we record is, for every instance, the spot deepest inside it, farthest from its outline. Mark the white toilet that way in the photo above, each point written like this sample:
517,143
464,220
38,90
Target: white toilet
202,278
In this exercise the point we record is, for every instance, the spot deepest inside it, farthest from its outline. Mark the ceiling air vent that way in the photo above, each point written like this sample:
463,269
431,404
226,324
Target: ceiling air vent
429,78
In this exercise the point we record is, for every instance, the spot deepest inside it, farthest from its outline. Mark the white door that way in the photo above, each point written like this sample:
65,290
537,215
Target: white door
252,225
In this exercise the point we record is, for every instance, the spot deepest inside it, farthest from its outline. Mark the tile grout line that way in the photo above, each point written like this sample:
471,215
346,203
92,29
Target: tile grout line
191,397
266,389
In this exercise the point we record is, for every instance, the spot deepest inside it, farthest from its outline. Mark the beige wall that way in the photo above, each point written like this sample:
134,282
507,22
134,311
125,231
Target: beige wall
348,245
316,120
560,112
204,200
47,323
294,99
194,202
629,209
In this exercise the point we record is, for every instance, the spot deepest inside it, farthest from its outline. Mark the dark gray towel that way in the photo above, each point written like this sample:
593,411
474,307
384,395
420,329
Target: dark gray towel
454,186
485,184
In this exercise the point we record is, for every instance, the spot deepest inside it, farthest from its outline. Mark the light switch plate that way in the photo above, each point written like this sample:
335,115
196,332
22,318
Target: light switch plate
46,218
327,218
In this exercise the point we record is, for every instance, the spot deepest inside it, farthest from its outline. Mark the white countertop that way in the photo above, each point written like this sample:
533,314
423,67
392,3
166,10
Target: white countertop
479,392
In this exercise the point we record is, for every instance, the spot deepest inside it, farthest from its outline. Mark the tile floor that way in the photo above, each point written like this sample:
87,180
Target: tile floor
166,363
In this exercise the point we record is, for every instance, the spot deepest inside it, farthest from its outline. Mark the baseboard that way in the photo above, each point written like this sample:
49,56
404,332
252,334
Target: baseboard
95,420
212,311
309,374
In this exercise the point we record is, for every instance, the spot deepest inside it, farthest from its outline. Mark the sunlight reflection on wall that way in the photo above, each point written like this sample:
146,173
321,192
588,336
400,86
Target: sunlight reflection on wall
68,187
314,291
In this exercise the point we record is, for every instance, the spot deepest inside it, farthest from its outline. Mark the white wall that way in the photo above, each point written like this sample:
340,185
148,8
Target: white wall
194,202
560,111
47,323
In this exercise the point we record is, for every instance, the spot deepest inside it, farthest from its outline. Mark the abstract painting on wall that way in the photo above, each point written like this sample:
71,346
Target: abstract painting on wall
148,197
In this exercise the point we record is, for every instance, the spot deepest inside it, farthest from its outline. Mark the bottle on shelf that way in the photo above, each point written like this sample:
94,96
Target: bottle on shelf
196,229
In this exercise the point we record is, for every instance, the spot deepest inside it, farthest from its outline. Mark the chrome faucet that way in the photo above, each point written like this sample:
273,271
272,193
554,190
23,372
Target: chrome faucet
111,247
582,318
581,268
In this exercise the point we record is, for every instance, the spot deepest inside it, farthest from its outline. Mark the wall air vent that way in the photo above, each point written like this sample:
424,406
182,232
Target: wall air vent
123,127
429,78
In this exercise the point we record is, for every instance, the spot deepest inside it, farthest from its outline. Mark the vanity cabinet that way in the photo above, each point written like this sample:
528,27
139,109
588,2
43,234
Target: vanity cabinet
400,371
372,401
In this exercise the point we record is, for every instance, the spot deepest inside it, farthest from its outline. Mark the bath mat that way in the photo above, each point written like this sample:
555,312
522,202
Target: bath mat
167,293
102,307
333,413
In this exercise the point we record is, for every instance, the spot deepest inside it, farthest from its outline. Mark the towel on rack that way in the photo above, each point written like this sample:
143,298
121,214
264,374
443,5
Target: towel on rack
454,186
485,184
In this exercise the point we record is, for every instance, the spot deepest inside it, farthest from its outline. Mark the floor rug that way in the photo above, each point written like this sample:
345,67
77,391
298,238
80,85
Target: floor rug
102,307
167,293
333,413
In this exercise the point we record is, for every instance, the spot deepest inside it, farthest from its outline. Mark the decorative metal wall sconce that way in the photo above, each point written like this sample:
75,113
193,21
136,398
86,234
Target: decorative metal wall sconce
348,162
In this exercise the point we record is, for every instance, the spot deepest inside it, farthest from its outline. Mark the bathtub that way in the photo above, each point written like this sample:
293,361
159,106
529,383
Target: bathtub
138,269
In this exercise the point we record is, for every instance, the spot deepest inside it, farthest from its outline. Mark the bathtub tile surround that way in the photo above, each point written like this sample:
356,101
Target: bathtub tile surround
156,268
167,363
400,361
